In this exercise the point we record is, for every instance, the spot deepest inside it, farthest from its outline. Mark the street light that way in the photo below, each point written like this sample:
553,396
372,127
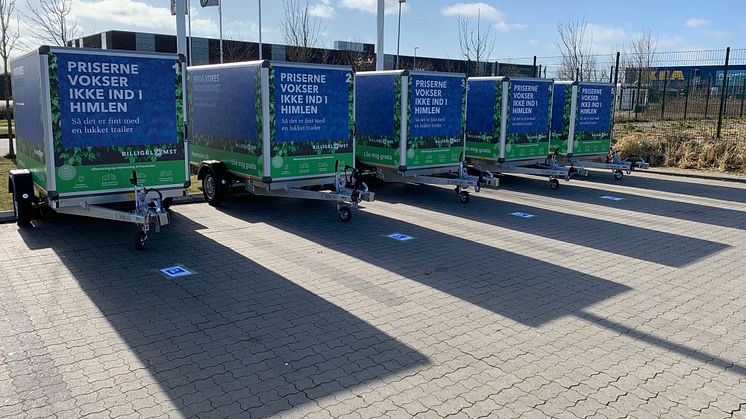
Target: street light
398,34
260,29
414,65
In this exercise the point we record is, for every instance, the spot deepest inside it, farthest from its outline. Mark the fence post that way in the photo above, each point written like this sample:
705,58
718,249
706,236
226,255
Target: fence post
539,71
688,88
616,80
534,70
723,94
707,92
577,74
743,96
611,74
616,70
665,90
637,103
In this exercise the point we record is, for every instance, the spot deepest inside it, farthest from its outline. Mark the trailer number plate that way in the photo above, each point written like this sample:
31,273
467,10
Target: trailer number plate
400,237
175,271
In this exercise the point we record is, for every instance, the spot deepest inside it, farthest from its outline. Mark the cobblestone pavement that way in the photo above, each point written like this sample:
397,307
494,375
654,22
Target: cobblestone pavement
592,307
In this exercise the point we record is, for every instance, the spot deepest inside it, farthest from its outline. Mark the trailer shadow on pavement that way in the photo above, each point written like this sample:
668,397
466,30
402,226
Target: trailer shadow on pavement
722,217
671,184
233,337
526,290
635,242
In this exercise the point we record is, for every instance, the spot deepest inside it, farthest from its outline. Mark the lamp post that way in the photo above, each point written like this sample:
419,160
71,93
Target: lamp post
379,41
260,29
414,64
398,34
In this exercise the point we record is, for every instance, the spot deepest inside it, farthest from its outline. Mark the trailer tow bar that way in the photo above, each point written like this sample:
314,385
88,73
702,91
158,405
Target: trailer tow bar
151,211
349,184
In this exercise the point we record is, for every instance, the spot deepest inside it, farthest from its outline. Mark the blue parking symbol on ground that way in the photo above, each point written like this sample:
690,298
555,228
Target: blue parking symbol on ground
175,271
400,237
522,214
611,198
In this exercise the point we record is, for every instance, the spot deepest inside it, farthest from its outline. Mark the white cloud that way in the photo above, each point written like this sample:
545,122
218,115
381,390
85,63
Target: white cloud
474,9
482,10
371,6
138,14
696,22
324,9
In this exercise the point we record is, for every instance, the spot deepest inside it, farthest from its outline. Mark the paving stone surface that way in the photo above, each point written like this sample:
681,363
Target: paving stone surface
629,308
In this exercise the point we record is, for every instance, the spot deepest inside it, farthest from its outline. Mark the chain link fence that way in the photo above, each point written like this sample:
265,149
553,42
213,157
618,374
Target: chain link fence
667,95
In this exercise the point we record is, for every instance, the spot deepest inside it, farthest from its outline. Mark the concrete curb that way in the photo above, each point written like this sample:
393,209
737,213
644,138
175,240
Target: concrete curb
189,199
696,175
7,216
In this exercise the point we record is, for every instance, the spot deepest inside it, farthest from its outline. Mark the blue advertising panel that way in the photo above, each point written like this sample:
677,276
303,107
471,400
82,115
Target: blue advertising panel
26,75
374,103
594,107
217,96
116,100
311,104
435,105
558,106
529,106
480,106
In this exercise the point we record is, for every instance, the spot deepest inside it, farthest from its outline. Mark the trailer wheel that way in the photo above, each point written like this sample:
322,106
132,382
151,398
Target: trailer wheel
140,240
23,211
463,197
345,214
618,174
211,189
554,184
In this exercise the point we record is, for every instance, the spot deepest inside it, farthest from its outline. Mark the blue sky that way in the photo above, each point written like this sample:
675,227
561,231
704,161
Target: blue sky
522,28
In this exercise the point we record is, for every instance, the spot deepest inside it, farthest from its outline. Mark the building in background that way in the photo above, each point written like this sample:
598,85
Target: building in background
360,55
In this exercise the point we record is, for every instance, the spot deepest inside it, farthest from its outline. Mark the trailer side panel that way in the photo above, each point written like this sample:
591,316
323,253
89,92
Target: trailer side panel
436,111
113,113
311,120
225,115
378,117
29,113
595,119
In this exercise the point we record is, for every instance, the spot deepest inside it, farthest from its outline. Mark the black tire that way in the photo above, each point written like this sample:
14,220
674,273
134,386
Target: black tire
212,189
554,184
140,240
166,203
618,174
23,211
345,214
464,197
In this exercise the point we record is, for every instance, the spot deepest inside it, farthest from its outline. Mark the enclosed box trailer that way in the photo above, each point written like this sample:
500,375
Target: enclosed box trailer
410,128
583,126
99,127
275,129
507,127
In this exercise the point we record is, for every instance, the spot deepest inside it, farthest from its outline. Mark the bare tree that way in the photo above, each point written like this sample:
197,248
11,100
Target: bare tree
300,30
8,39
50,21
476,45
576,46
235,50
640,54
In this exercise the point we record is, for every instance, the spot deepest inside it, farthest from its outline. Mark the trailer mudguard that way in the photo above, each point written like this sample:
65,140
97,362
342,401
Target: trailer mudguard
21,185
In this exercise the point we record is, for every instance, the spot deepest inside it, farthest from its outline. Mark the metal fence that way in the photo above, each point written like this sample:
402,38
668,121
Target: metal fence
699,94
